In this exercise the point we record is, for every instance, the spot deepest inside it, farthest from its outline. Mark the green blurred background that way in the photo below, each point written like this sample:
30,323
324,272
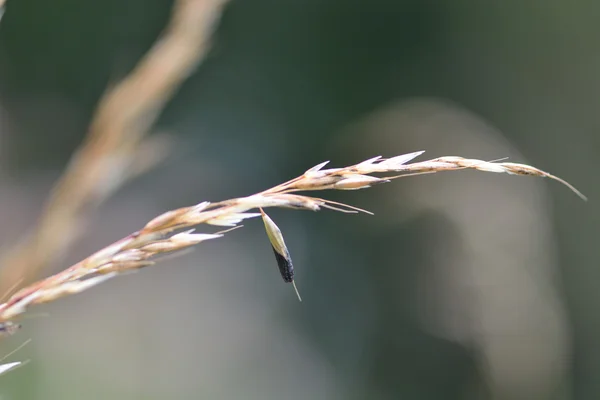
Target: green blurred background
463,285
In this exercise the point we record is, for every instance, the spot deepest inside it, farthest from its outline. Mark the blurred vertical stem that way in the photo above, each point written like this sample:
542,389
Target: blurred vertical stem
124,115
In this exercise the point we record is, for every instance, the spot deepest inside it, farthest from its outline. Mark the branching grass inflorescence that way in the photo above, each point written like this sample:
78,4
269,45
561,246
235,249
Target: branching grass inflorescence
171,231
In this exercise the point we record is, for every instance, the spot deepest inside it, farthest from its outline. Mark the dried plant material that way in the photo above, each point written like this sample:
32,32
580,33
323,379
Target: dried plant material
455,163
164,234
282,254
115,149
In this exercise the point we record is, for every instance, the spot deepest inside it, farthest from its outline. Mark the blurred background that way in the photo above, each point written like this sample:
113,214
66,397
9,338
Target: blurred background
463,285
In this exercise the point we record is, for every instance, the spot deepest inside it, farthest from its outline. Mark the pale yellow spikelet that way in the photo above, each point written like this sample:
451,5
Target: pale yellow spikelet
282,254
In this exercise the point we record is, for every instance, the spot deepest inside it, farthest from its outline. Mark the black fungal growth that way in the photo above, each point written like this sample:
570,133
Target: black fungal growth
286,268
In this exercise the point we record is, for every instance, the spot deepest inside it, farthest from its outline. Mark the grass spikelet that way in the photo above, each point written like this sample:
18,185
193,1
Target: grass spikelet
282,254
167,233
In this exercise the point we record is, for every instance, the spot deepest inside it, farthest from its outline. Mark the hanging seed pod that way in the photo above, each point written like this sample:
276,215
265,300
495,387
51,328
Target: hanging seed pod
282,255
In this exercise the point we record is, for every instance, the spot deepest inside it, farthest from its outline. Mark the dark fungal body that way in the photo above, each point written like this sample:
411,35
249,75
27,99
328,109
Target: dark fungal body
282,255
286,268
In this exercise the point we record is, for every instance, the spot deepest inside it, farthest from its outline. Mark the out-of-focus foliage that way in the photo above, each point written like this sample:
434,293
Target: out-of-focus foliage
462,286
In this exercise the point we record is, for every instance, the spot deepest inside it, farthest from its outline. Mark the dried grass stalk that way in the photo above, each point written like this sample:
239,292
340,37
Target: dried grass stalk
171,231
114,142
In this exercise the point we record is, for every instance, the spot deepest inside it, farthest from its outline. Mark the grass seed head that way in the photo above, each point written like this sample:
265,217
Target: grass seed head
158,237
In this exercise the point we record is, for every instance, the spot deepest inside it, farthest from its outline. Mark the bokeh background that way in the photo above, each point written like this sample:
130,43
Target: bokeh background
464,285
